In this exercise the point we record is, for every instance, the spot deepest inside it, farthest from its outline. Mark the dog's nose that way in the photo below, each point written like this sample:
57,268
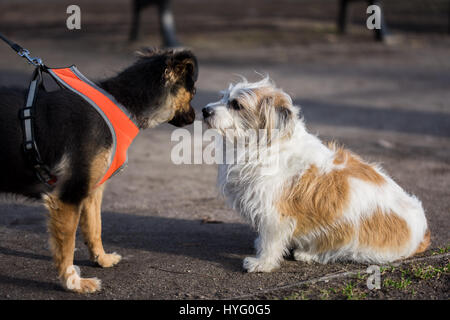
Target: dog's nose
207,112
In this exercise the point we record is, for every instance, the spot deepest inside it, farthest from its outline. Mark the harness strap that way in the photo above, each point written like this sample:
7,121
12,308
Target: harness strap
120,123
26,115
29,146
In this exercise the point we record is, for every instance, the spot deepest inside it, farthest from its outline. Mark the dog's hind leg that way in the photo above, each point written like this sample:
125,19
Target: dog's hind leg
63,222
91,227
300,255
301,252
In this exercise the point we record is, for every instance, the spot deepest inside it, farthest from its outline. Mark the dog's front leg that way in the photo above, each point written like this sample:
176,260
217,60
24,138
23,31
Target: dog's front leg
271,246
91,227
62,226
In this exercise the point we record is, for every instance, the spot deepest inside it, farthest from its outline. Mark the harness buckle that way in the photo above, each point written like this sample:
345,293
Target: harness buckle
28,146
26,113
24,53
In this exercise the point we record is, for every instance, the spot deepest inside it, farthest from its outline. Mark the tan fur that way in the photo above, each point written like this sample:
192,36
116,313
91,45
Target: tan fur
62,226
63,223
354,166
280,100
91,228
177,104
319,199
337,236
269,101
384,231
99,166
426,242
277,96
181,101
315,200
90,222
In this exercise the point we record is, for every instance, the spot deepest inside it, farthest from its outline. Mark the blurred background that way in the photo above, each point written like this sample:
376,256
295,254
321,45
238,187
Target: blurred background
388,100
298,42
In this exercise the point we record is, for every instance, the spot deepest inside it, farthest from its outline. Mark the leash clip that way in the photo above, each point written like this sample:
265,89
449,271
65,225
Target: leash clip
24,53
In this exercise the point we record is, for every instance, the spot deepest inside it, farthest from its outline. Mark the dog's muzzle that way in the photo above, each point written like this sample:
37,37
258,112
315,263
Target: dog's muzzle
183,118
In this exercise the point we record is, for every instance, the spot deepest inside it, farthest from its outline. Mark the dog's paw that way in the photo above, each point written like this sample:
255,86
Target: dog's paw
73,282
303,256
108,260
89,285
252,264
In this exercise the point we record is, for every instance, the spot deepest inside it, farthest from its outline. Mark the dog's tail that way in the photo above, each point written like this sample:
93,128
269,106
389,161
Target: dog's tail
425,242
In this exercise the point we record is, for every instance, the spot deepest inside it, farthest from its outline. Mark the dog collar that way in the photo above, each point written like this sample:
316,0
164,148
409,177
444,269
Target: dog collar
119,121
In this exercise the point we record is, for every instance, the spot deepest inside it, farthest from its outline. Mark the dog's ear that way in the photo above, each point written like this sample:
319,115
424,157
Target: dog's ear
276,114
284,118
182,66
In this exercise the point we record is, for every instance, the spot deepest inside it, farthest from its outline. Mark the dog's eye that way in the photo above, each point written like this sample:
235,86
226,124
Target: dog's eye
235,105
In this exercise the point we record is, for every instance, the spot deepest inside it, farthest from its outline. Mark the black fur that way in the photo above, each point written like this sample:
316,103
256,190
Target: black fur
65,124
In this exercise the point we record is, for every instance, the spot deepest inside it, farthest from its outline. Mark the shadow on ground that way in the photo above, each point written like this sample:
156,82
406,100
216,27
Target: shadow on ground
212,242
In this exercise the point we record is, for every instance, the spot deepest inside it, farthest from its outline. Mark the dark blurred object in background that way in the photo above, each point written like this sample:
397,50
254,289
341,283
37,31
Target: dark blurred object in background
380,34
166,20
108,24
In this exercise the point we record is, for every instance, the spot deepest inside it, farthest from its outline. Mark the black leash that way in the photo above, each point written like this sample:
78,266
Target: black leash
27,115
24,53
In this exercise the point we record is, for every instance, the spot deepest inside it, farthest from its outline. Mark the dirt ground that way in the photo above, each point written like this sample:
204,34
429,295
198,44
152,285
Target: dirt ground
387,102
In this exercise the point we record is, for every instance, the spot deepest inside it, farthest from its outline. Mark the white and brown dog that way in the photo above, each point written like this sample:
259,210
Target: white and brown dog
322,201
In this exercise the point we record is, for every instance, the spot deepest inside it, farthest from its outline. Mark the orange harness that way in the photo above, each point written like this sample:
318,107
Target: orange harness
123,129
118,119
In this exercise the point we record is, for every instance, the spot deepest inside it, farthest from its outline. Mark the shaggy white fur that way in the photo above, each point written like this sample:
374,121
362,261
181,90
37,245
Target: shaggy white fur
254,188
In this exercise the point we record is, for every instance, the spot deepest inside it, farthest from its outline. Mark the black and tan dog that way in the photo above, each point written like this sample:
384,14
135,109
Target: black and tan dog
75,142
